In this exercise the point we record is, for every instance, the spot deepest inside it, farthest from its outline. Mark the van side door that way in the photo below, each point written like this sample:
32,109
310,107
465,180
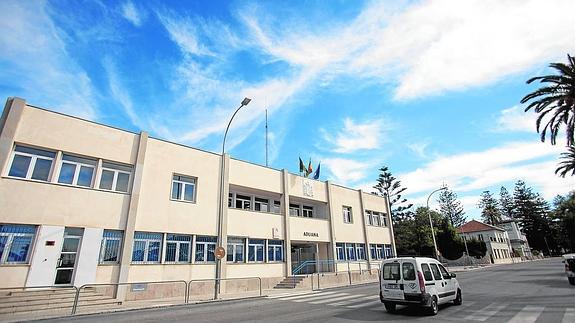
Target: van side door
439,282
450,287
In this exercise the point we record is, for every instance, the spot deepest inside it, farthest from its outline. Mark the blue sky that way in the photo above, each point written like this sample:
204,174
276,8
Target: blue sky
429,88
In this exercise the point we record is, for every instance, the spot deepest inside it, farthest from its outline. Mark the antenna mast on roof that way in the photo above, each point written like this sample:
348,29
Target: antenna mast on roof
266,137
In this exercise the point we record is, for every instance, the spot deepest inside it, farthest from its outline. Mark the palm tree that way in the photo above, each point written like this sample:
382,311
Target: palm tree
568,163
556,99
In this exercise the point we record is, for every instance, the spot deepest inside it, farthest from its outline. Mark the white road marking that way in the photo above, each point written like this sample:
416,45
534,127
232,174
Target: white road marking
486,312
291,294
569,316
335,299
289,298
318,296
356,300
528,314
366,304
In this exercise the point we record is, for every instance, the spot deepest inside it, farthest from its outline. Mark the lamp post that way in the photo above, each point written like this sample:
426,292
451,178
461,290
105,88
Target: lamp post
431,222
245,102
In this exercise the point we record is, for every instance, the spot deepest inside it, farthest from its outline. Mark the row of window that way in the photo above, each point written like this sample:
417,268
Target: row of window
350,251
374,218
501,253
391,271
15,243
39,164
301,210
380,251
253,203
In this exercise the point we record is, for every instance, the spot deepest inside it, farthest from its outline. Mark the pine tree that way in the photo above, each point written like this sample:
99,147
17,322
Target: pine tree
532,210
388,185
489,208
506,206
451,208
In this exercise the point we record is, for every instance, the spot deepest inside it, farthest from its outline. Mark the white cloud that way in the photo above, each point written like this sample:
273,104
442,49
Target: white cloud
515,119
120,94
345,171
356,136
185,33
36,64
131,13
418,148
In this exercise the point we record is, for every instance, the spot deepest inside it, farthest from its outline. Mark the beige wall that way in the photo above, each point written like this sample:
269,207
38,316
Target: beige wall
254,176
107,274
256,270
13,275
242,223
347,232
142,273
300,225
296,183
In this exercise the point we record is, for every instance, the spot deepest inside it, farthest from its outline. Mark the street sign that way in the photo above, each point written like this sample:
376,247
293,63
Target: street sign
220,252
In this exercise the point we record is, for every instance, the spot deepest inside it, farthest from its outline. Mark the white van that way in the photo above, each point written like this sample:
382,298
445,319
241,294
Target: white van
417,281
569,261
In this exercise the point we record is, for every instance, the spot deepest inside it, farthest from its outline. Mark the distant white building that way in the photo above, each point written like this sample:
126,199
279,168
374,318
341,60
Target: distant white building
517,238
496,239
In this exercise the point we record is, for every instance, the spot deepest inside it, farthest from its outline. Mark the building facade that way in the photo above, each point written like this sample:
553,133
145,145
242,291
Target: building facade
518,240
84,203
495,238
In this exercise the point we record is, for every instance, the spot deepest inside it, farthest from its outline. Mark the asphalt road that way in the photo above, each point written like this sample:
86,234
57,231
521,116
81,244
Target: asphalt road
527,292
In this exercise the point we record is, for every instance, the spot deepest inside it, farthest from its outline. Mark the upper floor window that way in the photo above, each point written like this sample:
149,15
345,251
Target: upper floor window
276,207
77,171
205,249
147,247
294,210
31,163
347,217
236,247
261,204
115,177
15,243
183,188
178,248
368,218
243,202
111,246
307,211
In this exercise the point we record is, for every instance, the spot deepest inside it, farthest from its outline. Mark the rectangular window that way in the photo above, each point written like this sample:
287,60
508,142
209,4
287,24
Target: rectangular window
339,250
368,219
426,272
261,204
380,254
408,271
178,248
276,208
383,219
15,243
347,217
147,247
373,251
350,251
435,271
256,250
77,171
294,210
243,202
360,251
231,200
111,246
236,247
275,250
307,211
376,219
183,188
115,177
391,271
205,249
388,251
31,163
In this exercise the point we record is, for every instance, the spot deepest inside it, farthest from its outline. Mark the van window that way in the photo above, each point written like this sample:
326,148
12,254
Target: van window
426,272
435,271
408,271
391,271
444,272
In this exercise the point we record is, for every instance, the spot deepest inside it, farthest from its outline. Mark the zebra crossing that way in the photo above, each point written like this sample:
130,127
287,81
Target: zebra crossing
468,312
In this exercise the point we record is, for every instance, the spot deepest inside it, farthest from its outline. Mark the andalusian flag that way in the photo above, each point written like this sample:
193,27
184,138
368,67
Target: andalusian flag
301,166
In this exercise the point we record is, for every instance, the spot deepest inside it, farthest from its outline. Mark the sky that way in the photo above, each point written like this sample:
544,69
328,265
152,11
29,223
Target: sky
430,89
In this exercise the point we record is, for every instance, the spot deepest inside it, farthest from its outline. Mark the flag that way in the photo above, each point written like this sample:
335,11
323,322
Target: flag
316,175
301,166
309,169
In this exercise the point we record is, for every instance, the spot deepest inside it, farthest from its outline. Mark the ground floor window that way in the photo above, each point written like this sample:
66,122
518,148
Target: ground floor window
178,248
388,251
350,251
339,250
15,243
147,247
360,251
111,246
379,251
236,247
256,250
275,250
205,249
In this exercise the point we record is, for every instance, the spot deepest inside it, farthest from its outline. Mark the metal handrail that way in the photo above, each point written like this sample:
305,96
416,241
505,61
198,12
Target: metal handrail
307,263
77,297
45,287
189,287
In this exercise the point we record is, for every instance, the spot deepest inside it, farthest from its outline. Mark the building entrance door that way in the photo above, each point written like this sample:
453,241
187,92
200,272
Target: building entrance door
68,256
303,258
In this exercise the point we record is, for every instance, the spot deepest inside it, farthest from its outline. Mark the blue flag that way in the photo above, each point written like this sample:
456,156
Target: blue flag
316,174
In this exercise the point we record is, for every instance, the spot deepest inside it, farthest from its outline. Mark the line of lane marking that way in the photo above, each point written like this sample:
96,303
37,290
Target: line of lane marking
486,312
528,314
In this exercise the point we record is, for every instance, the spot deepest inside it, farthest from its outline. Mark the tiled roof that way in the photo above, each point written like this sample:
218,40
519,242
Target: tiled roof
476,226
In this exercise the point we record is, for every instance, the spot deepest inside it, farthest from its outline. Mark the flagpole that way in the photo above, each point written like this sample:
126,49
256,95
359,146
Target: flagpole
266,137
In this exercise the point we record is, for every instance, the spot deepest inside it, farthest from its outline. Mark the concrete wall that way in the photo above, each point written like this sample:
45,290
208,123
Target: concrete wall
88,256
242,223
45,258
347,232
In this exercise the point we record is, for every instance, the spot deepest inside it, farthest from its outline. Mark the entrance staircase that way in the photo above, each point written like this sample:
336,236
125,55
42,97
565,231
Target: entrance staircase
290,282
47,301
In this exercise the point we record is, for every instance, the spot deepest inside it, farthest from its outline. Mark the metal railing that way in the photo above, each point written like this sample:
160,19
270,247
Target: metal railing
45,288
189,287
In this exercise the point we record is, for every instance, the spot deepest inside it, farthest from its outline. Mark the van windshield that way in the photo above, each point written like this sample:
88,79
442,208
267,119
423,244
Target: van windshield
391,271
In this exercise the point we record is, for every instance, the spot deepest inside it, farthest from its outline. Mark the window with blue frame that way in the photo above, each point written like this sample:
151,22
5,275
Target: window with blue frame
205,249
111,246
16,243
340,252
256,250
275,250
147,247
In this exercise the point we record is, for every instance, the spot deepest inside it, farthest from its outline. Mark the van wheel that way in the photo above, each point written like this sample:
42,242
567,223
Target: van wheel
458,300
434,308
572,280
389,307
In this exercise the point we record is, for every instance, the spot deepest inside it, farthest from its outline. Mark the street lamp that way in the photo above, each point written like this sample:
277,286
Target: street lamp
431,222
245,102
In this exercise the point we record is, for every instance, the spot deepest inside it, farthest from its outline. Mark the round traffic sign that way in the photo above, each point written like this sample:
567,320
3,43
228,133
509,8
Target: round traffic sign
220,252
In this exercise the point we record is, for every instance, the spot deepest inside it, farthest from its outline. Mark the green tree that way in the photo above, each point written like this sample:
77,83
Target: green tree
450,207
388,185
506,206
568,163
555,100
564,215
449,242
476,248
489,208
